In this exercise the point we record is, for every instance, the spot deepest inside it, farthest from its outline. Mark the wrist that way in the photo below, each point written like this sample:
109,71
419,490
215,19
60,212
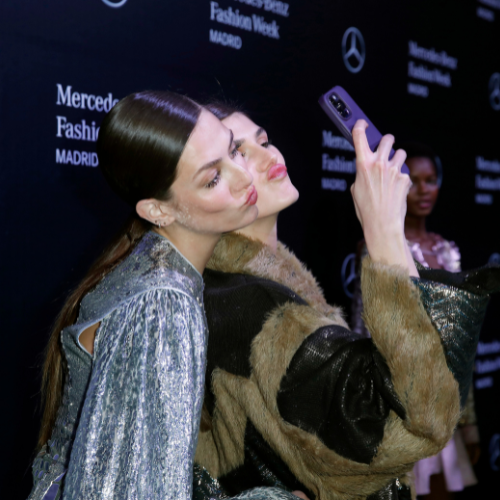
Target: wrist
387,248
393,231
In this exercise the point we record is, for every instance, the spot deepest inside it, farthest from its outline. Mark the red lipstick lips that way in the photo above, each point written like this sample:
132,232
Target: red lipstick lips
277,171
252,196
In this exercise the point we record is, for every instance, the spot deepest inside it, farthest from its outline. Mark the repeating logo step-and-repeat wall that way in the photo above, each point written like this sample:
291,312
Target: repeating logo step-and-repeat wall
424,70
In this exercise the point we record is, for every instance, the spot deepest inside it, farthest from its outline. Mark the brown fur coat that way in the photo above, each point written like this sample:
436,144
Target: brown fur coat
401,331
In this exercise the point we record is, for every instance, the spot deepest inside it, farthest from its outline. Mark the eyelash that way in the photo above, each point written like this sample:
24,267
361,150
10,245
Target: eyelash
234,153
214,181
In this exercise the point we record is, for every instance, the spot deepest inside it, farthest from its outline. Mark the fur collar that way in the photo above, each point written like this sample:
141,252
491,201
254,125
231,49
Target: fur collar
236,253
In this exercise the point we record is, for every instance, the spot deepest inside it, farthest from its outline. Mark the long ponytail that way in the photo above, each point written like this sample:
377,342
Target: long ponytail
139,146
53,368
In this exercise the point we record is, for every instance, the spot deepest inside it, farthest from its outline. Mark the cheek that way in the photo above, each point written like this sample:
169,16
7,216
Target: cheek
411,196
214,201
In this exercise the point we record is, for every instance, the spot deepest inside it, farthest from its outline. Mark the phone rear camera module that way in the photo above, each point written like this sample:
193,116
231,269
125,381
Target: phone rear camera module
334,99
340,106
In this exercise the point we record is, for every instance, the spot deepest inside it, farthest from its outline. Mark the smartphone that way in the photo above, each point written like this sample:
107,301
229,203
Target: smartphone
344,112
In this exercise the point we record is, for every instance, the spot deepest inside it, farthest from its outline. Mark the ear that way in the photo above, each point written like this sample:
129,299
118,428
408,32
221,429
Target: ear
159,213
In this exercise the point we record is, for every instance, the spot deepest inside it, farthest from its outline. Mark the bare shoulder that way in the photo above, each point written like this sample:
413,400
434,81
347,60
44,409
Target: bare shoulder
87,338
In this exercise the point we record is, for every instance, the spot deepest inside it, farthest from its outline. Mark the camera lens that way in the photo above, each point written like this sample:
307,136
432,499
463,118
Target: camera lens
334,99
345,113
340,106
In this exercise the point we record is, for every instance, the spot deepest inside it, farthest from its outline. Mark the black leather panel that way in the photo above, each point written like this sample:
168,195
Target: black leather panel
338,386
262,467
237,306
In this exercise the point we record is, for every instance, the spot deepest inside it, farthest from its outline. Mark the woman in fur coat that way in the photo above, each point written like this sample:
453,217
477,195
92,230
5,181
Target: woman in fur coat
293,398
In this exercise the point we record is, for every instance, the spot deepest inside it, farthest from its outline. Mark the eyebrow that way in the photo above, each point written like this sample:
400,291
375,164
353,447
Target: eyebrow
260,130
215,162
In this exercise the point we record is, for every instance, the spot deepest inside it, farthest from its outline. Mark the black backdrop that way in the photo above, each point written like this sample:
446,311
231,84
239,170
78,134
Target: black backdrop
428,71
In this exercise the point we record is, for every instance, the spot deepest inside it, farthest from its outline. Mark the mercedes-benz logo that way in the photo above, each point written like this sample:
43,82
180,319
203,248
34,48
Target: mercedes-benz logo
348,274
353,50
115,4
495,91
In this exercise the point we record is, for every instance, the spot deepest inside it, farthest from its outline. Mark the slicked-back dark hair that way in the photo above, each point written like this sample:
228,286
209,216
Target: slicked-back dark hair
141,140
139,146
223,109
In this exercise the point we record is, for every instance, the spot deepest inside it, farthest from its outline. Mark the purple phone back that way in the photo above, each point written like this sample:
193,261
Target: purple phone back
345,125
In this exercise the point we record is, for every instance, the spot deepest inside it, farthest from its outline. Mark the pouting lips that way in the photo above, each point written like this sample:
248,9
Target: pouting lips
252,196
278,171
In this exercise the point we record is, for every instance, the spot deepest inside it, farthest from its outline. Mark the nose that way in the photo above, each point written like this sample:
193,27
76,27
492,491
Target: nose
241,179
422,187
265,161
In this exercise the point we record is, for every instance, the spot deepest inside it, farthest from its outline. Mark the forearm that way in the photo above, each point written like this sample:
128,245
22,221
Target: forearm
389,247
403,333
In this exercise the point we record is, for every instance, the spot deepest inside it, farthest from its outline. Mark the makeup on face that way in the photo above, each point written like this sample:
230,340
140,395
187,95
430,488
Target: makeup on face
266,163
276,172
252,196
212,185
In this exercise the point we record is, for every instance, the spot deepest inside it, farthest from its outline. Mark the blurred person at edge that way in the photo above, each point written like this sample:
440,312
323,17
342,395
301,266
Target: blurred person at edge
292,396
125,366
449,471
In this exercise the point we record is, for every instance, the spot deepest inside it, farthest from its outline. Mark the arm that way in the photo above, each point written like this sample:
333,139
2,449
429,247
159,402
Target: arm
396,399
138,428
357,323
379,193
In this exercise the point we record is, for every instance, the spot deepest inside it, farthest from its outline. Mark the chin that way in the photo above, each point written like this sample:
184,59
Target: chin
275,197
277,204
252,215
421,213
287,194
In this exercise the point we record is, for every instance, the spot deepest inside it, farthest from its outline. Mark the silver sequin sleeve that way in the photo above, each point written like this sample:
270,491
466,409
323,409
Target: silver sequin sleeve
139,423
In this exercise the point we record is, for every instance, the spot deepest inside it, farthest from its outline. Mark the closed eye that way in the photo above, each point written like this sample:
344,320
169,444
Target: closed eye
214,181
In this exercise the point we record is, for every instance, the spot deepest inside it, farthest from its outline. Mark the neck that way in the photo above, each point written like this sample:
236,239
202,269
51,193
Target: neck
197,248
415,227
265,230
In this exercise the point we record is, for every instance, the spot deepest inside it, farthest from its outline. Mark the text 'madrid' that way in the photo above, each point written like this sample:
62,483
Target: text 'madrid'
81,129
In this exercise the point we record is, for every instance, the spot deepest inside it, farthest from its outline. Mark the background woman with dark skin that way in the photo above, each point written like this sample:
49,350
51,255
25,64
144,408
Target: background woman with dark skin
440,476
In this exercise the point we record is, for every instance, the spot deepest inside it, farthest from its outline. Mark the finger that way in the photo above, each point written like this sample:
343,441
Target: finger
300,494
360,141
385,146
399,158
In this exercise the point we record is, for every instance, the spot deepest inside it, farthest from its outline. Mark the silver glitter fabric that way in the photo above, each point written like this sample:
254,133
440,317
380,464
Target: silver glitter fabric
128,424
208,488
457,315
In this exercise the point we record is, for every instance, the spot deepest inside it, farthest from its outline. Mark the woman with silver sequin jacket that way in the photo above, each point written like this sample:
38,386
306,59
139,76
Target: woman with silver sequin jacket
125,366
293,397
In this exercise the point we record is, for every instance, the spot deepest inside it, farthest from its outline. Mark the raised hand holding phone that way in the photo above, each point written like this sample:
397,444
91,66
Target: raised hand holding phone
379,193
344,113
